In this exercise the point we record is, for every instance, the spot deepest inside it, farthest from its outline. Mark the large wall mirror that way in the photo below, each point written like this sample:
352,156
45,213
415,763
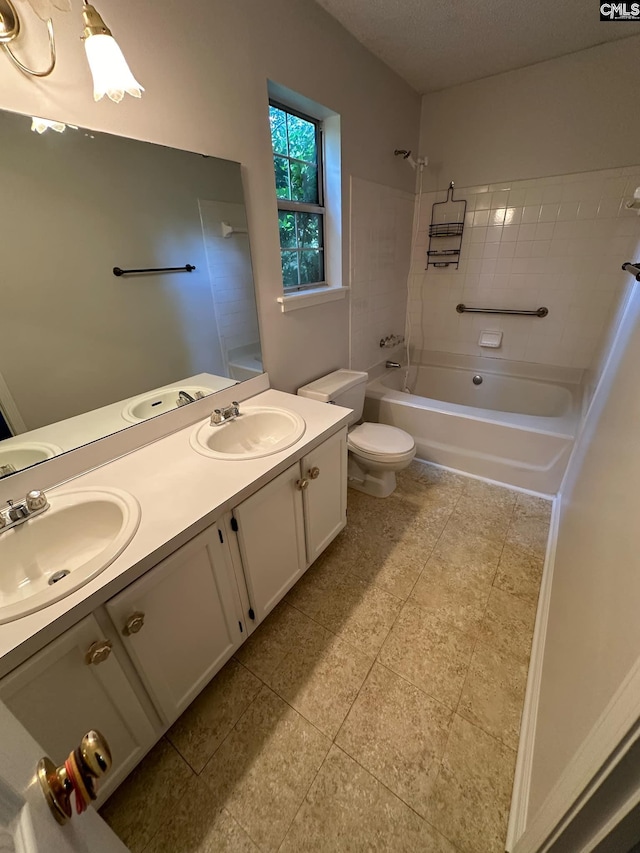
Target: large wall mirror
85,352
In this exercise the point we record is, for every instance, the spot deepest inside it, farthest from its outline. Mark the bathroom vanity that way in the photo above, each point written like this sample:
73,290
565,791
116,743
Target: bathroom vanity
219,543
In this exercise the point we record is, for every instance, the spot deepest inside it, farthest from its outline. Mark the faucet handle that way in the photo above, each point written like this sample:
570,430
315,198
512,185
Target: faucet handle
36,500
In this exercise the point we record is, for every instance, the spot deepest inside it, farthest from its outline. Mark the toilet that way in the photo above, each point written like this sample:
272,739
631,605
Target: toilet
376,451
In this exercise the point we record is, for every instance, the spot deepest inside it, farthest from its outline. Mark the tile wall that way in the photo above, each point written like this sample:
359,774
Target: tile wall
380,250
229,260
557,241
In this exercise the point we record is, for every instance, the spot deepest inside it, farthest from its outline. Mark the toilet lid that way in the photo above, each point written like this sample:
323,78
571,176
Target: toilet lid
381,439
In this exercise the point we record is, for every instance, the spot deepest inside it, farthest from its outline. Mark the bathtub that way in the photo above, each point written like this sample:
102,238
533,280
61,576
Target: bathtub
516,427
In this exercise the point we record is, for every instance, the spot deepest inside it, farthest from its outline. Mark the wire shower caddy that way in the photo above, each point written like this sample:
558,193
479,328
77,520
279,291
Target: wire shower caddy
446,254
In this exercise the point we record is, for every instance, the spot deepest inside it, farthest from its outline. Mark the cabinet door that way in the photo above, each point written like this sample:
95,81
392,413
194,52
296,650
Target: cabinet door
180,622
325,498
270,530
58,696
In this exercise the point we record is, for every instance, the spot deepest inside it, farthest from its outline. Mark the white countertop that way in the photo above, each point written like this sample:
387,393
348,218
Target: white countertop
180,493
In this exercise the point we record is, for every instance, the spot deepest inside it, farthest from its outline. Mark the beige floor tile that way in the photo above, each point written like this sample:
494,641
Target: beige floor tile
392,566
429,653
470,799
359,612
348,810
468,553
141,803
320,678
397,733
520,573
452,596
493,694
508,624
485,519
269,644
528,505
456,581
264,768
197,826
490,494
211,716
529,533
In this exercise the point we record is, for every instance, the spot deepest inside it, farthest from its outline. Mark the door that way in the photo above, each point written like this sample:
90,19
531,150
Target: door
181,622
58,696
270,530
26,824
325,497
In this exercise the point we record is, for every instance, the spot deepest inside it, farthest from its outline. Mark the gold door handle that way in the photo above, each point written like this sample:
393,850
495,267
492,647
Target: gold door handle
91,760
313,473
98,652
301,485
134,624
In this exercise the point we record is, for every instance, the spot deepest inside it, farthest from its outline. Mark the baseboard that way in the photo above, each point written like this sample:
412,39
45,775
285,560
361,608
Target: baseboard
524,763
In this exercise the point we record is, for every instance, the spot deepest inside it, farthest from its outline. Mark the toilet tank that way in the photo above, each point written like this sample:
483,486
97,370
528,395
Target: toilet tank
342,387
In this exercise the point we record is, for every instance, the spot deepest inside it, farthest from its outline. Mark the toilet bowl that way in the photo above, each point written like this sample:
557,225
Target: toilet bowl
376,451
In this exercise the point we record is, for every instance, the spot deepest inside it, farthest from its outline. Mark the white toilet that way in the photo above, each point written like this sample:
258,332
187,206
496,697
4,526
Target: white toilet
376,451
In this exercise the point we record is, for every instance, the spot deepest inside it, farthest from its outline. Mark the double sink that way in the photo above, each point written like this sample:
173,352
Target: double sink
49,556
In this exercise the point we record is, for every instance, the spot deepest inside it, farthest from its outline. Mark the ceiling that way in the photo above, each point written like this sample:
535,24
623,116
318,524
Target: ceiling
433,44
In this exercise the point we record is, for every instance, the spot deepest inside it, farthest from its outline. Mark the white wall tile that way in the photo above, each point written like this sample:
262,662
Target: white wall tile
560,242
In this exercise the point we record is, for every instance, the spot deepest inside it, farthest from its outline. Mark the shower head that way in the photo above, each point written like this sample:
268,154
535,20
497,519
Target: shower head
406,155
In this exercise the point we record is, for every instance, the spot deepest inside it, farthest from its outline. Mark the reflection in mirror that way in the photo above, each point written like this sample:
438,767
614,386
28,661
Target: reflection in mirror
85,352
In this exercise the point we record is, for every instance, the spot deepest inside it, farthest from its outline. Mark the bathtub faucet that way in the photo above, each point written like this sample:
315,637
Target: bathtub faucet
390,364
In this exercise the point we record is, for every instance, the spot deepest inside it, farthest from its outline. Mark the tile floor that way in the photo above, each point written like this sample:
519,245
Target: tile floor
378,707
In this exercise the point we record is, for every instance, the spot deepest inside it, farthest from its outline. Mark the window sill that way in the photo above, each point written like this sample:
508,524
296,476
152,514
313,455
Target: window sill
307,298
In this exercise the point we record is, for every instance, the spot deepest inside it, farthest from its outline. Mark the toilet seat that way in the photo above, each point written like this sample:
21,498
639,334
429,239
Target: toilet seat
381,442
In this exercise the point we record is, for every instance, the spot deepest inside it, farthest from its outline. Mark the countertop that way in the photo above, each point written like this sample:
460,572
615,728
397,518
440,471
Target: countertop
180,493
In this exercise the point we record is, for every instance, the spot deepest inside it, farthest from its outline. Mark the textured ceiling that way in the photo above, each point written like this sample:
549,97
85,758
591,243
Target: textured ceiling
438,43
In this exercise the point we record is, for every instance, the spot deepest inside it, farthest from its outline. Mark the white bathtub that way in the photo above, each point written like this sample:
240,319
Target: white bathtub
516,429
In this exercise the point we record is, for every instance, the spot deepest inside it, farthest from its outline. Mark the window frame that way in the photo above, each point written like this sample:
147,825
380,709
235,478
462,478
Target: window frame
303,206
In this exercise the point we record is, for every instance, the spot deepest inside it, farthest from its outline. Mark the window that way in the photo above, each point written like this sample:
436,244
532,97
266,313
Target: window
297,159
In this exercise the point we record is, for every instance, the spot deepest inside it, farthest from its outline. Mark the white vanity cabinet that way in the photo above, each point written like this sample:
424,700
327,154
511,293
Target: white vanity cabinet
284,527
134,665
77,683
181,622
325,497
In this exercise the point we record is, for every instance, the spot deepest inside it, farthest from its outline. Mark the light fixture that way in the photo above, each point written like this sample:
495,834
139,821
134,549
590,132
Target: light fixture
10,30
39,125
111,74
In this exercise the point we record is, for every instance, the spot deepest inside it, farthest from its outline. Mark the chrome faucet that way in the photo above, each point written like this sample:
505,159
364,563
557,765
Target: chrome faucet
17,513
229,413
185,397
390,364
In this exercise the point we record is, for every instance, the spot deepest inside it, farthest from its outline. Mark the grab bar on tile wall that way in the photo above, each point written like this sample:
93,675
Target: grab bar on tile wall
633,269
539,312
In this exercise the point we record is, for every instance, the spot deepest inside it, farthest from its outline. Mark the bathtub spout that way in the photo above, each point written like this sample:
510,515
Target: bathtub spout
390,364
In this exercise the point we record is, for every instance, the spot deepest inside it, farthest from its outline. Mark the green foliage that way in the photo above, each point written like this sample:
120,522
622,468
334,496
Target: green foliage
295,159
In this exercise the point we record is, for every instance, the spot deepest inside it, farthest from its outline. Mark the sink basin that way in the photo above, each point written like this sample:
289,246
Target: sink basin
155,403
22,454
81,533
258,431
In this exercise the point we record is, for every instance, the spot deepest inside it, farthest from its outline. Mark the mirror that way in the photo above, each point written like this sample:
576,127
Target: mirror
85,352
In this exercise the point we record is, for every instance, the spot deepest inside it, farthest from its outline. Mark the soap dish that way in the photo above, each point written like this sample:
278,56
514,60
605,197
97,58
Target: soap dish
490,339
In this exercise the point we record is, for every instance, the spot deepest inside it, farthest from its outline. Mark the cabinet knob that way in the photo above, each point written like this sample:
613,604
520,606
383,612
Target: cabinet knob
98,652
313,473
301,485
134,624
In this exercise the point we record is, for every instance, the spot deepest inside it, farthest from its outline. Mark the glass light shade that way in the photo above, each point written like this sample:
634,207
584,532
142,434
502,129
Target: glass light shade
39,125
111,74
